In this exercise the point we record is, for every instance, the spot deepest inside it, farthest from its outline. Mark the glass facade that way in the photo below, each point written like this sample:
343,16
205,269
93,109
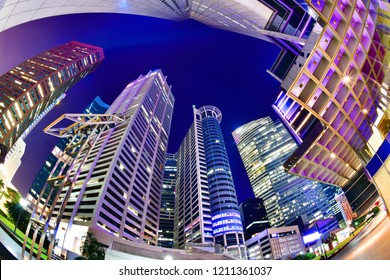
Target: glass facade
264,145
27,90
206,203
167,214
112,175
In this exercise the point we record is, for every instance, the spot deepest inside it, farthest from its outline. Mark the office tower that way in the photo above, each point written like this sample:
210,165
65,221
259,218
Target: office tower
276,244
167,208
331,192
110,184
97,106
27,90
206,209
264,145
335,101
345,208
254,217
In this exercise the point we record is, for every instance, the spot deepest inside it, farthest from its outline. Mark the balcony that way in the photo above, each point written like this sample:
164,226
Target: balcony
360,56
329,42
357,24
341,93
345,7
338,23
349,103
338,120
365,40
318,101
361,9
332,80
329,111
323,6
350,41
307,91
342,60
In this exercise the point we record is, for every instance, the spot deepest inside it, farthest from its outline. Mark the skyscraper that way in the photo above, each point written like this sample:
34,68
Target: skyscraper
167,209
111,181
27,90
264,145
254,216
206,209
97,106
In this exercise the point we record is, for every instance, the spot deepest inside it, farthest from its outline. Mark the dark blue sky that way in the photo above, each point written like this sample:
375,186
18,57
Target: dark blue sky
205,66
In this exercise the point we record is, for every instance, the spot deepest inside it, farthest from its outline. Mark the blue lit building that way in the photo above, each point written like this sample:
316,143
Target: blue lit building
167,217
206,203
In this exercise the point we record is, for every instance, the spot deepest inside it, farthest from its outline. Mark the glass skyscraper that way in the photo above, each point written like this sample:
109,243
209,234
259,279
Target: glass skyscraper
112,175
264,145
206,203
29,89
167,209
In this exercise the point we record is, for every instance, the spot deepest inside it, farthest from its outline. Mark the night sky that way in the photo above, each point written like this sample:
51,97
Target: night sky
205,66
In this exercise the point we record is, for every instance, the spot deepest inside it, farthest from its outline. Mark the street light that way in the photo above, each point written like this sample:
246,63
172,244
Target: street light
22,203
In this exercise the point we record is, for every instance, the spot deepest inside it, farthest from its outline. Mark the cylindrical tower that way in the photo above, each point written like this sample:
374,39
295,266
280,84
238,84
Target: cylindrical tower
226,219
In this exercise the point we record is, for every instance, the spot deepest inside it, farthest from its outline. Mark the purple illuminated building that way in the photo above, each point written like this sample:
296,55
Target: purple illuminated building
29,89
334,101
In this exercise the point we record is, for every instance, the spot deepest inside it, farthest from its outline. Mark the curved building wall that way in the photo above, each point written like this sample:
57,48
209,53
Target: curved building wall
226,219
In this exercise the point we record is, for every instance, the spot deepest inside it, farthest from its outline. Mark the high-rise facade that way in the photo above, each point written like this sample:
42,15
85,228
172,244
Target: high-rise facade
27,90
264,145
254,217
335,101
345,208
167,208
206,203
110,184
97,106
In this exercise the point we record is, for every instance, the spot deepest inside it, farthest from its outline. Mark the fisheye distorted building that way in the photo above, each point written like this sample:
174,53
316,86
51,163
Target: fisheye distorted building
206,209
29,89
97,106
335,100
167,210
264,145
110,182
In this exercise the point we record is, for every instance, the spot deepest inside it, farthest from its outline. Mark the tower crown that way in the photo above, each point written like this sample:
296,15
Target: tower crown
210,111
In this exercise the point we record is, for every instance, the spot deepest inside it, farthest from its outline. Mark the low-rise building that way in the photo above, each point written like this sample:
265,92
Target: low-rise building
276,244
